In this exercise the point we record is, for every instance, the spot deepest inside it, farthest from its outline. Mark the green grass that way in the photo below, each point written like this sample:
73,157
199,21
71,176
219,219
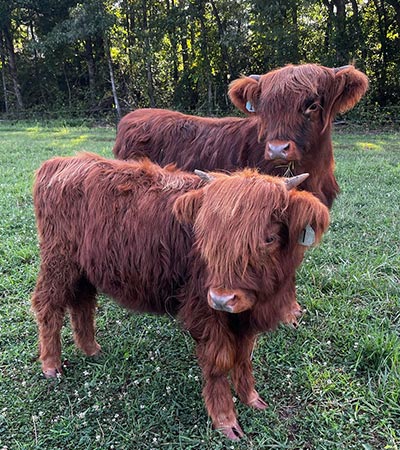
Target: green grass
334,383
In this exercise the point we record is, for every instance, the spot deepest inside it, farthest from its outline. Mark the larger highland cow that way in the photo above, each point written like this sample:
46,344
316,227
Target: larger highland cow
288,130
220,254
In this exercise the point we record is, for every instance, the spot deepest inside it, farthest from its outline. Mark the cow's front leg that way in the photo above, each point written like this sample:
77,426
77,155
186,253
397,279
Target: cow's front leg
216,358
291,310
242,374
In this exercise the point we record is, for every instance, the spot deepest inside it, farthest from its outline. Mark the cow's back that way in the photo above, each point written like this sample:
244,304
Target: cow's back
116,226
191,142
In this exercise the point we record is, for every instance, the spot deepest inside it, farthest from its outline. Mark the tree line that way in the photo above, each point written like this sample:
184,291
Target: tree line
100,55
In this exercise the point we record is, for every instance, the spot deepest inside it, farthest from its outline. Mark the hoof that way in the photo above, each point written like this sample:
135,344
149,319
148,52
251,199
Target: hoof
92,350
52,373
255,401
95,351
233,433
258,403
292,316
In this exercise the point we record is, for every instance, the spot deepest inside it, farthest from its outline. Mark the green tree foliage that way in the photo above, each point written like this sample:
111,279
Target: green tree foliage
65,54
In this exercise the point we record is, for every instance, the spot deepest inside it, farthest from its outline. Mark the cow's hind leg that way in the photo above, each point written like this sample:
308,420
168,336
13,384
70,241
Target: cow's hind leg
50,299
82,308
242,374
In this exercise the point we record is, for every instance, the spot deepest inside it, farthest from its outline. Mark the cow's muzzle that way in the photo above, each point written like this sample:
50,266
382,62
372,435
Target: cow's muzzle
235,301
281,150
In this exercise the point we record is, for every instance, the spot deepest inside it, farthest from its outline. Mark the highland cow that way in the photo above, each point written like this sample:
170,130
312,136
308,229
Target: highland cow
287,132
218,251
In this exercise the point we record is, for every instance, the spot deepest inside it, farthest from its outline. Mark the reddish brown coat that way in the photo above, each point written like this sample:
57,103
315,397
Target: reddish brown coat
289,132
164,241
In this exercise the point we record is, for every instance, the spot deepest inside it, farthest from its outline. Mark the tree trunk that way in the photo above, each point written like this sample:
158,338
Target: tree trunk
358,42
206,59
131,27
185,53
36,65
68,86
382,75
295,41
342,54
112,80
3,73
329,27
336,32
171,17
91,70
224,48
183,36
147,56
12,65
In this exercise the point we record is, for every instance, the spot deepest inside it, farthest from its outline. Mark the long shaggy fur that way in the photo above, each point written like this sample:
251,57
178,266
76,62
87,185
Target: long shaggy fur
281,99
158,240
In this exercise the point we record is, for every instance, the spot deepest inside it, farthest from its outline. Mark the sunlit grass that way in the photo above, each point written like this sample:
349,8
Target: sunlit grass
370,146
334,383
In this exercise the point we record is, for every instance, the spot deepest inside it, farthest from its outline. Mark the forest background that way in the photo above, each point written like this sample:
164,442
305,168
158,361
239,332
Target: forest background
98,58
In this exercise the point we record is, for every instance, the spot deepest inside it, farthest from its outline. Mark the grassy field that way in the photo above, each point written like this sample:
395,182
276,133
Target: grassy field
334,383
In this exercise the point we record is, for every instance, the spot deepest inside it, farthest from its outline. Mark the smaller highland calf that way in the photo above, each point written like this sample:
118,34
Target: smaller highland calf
218,251
288,129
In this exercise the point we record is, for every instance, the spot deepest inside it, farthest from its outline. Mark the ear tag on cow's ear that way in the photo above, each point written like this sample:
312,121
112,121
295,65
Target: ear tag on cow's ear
250,107
307,236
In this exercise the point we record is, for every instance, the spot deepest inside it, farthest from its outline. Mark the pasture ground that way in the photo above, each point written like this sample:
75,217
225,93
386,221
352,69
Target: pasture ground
334,383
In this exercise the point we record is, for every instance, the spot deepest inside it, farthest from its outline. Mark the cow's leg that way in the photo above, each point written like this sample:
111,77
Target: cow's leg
82,308
291,310
242,374
52,294
216,359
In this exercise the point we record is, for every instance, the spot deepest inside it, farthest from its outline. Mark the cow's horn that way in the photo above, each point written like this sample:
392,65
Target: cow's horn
203,175
292,182
338,69
255,77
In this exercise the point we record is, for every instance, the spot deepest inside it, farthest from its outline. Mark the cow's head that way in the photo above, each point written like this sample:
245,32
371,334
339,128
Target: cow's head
247,228
295,106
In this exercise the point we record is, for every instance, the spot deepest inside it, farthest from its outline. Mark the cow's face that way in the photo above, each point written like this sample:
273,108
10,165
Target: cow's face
244,231
295,106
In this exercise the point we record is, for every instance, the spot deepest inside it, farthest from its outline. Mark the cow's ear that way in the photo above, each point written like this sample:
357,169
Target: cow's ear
187,205
244,93
308,218
350,86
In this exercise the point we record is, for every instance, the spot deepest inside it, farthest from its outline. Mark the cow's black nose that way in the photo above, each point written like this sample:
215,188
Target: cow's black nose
278,151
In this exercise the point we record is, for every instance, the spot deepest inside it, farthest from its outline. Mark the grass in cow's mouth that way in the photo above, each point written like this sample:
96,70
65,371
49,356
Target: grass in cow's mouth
332,383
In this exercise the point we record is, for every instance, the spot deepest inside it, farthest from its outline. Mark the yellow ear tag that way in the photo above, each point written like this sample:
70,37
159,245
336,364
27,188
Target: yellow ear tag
307,236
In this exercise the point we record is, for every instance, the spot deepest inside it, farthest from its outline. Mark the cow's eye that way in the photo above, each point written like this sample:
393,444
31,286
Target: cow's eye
270,239
313,107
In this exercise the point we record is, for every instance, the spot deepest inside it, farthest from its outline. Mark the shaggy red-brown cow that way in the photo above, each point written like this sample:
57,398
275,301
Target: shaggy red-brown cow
288,130
219,254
